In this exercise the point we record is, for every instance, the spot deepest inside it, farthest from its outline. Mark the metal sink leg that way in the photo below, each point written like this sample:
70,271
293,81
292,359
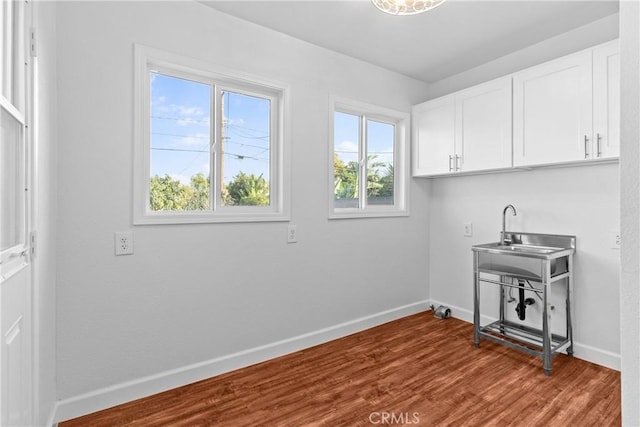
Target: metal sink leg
546,317
476,301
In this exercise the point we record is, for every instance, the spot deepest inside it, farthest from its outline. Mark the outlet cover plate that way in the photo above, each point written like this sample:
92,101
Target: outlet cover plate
615,239
292,234
124,243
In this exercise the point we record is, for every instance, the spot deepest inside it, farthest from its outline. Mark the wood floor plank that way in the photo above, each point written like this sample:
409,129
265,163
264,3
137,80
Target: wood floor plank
418,368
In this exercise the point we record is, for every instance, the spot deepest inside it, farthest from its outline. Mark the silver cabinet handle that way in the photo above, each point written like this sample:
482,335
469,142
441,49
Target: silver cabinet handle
457,163
586,147
450,160
598,141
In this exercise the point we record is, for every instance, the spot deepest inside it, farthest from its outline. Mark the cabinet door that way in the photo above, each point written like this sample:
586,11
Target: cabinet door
606,100
552,106
433,138
483,126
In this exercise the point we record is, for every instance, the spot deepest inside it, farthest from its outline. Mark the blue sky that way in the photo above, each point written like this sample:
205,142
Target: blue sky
181,127
347,134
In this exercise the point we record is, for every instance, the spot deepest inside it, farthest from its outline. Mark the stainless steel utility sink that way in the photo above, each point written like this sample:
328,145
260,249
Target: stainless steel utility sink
523,250
513,262
521,254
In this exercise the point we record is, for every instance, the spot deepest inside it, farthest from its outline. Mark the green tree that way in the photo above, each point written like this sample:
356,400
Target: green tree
379,178
247,190
169,194
345,179
387,181
374,180
198,193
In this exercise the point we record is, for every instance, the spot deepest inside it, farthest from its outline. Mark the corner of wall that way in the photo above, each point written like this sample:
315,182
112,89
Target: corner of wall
629,208
600,31
45,215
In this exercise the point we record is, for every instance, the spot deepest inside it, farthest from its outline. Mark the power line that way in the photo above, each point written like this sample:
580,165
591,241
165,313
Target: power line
179,149
230,141
246,128
182,119
179,135
248,136
207,120
226,153
368,152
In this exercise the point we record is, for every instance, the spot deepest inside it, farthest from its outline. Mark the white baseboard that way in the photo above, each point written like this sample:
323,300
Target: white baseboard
125,392
51,419
581,351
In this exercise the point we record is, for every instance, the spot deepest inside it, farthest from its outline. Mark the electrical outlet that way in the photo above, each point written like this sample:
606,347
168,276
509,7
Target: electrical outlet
615,239
468,229
124,242
292,234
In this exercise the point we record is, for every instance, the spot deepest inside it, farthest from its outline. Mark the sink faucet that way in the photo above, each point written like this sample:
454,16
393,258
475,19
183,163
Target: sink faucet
503,235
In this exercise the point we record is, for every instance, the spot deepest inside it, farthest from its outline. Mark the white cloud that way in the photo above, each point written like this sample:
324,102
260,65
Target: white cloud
196,139
234,122
182,115
346,146
347,151
189,115
184,180
158,100
385,155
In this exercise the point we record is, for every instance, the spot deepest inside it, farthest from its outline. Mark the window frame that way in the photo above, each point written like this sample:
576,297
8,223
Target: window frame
400,120
17,100
220,79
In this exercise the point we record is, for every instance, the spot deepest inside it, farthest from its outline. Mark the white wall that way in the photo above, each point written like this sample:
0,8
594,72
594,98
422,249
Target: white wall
194,293
630,211
581,201
182,301
589,35
44,264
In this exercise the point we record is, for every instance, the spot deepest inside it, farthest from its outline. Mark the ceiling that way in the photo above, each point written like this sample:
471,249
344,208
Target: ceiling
454,37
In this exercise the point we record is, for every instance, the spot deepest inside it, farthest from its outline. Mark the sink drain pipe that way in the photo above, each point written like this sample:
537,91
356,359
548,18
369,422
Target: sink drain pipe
523,302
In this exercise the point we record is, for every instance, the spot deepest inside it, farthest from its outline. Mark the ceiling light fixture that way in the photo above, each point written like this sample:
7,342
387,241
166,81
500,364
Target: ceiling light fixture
406,7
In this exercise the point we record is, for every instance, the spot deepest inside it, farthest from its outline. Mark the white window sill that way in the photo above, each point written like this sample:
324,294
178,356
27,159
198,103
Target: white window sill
379,214
174,218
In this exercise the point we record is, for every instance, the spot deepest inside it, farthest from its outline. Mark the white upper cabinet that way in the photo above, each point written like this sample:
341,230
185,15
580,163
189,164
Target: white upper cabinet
568,110
466,131
434,136
552,111
560,112
483,126
606,101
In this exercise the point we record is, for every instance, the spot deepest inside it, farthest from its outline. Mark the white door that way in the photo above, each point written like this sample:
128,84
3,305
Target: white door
15,273
606,100
552,111
434,136
483,126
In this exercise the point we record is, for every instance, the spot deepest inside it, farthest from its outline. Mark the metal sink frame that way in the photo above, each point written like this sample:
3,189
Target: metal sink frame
541,258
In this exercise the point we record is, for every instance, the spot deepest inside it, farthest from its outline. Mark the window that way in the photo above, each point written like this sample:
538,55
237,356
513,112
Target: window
12,180
209,147
368,173
14,88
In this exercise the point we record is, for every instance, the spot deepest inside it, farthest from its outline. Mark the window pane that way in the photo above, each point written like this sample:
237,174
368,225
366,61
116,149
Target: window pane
380,176
346,137
12,182
245,149
180,144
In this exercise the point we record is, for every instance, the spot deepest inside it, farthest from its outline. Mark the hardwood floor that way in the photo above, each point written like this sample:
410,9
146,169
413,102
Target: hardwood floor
418,370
